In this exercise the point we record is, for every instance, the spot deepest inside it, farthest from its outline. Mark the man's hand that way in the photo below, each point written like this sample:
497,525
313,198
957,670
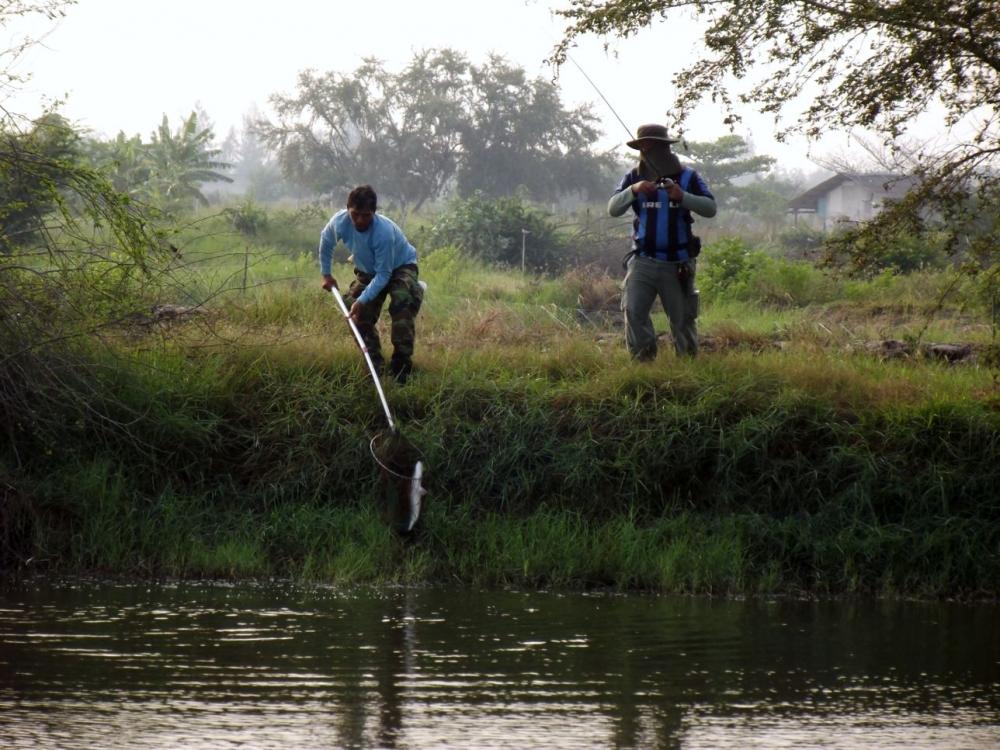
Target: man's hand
355,313
645,186
675,192
329,282
648,187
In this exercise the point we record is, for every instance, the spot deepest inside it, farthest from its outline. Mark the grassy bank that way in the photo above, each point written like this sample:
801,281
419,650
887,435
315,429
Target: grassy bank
233,441
564,465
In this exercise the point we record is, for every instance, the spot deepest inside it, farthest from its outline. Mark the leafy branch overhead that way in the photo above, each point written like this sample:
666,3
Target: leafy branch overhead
870,63
15,44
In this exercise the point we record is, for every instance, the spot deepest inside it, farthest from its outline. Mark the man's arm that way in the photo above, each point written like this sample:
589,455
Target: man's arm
698,198
327,242
703,205
620,202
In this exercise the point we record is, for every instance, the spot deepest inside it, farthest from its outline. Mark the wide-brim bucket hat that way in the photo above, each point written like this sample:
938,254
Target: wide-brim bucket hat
651,133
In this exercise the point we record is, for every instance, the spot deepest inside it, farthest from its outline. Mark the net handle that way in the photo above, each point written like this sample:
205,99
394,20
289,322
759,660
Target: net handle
364,350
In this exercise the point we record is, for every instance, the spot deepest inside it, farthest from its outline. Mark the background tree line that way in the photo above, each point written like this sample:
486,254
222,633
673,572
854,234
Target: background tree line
441,125
496,143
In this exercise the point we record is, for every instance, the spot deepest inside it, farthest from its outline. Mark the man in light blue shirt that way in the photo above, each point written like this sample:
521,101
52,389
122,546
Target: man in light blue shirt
385,264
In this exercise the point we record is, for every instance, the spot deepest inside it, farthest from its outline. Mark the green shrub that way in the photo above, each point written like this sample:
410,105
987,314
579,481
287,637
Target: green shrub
726,267
908,253
294,231
866,255
730,269
446,260
916,290
800,241
247,218
492,230
787,282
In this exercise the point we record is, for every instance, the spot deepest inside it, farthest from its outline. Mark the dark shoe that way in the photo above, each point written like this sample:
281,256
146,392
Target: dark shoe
645,355
400,371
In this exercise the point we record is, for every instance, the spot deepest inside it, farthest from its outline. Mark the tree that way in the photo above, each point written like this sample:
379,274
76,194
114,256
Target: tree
33,172
31,154
11,10
519,135
726,163
726,159
169,170
255,170
180,162
76,258
874,64
434,98
438,123
125,162
399,133
765,201
494,231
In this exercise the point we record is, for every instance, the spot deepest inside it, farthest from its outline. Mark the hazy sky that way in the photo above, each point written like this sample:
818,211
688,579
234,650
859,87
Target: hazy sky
122,64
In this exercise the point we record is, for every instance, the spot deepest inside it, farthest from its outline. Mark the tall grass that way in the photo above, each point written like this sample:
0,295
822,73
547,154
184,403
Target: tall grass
235,443
736,473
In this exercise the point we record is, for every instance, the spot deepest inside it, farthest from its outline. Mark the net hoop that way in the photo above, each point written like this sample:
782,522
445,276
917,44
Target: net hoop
386,469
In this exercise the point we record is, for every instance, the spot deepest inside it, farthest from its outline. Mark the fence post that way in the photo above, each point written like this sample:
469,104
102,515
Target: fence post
246,267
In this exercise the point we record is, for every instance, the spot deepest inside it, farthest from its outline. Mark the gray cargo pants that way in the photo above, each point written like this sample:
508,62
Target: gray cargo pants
646,280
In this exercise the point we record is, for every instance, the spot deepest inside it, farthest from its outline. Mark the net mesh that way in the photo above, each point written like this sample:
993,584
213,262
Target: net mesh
394,454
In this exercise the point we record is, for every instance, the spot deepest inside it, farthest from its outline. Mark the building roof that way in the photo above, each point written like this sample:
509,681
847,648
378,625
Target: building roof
885,183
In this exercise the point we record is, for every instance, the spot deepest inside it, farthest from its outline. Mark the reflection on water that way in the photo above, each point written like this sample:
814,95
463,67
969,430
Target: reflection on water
215,666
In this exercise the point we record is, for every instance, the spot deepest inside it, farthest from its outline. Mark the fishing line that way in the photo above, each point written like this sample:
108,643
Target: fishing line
584,73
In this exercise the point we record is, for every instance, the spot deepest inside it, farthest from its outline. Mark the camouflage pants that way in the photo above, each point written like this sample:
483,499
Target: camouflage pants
405,297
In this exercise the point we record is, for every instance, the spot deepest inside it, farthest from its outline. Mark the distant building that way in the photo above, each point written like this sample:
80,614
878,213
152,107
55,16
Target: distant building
848,198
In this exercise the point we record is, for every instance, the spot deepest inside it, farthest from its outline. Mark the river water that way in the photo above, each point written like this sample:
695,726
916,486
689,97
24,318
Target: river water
253,666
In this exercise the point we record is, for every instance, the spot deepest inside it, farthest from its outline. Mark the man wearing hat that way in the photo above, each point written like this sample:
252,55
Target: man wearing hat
662,195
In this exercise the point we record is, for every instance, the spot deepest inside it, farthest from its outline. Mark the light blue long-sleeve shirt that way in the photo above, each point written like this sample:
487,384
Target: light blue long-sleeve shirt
379,250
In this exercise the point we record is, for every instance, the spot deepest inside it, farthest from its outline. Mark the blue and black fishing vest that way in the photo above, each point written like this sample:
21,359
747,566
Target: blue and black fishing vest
661,230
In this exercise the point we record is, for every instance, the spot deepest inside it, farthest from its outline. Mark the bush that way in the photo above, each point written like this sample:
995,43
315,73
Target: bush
247,218
909,253
446,263
801,241
732,270
38,170
491,230
726,267
788,282
297,230
593,288
866,255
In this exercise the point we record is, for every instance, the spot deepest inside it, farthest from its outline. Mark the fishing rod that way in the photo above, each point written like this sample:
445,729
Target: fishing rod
368,358
584,74
661,180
